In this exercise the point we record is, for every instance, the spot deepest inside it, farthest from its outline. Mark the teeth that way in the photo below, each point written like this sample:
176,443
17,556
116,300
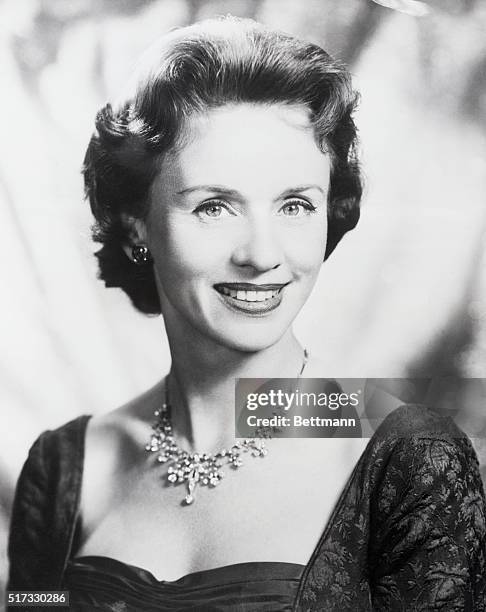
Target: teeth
250,296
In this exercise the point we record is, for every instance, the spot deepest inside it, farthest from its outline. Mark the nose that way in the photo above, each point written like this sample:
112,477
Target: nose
258,247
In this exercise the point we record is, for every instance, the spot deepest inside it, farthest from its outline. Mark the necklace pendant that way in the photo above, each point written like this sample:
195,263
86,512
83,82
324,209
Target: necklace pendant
191,485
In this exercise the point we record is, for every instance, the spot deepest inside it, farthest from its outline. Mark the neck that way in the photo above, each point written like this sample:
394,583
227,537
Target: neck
202,386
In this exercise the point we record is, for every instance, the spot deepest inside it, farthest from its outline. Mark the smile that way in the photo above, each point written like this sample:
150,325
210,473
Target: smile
250,298
247,292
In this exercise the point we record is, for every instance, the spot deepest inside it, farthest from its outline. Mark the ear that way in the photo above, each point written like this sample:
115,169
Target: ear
136,234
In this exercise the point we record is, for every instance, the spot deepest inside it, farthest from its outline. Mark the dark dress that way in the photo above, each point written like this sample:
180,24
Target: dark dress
408,533
102,583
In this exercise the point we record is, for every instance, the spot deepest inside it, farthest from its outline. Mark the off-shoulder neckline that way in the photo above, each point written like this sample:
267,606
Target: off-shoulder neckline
83,422
389,424
224,574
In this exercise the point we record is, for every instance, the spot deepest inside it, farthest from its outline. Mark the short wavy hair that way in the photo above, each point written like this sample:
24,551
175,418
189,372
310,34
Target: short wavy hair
189,71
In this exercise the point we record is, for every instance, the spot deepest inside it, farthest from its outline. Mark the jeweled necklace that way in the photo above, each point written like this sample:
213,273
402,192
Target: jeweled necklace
205,469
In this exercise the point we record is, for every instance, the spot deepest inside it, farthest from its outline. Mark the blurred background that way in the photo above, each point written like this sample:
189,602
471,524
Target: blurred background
403,295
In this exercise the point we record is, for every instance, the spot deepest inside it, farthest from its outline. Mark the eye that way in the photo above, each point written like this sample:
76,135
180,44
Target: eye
212,209
297,208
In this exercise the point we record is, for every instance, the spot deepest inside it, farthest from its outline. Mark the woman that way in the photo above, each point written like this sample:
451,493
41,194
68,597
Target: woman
219,184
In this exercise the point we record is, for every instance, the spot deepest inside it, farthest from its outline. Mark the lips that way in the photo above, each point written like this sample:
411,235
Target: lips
251,298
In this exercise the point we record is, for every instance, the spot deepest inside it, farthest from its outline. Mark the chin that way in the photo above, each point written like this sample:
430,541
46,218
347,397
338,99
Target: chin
248,345
251,337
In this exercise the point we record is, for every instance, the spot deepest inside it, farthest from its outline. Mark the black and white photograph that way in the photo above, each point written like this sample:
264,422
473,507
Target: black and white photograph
243,319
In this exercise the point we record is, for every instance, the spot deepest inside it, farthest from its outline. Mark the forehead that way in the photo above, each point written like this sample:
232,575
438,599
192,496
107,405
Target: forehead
249,148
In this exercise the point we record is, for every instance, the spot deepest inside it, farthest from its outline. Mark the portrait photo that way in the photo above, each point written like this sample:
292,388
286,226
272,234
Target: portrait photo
222,208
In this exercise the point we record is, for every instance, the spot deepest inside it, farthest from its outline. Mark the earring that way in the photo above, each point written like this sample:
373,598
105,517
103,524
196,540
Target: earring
141,254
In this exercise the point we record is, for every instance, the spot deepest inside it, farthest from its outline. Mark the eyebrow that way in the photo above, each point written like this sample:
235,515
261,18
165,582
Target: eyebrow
233,193
301,189
211,189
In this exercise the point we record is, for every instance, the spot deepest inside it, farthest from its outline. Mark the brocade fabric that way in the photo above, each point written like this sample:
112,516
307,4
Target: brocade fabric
408,532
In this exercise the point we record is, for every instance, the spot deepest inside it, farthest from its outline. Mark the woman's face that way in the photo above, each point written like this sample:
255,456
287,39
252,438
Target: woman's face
238,224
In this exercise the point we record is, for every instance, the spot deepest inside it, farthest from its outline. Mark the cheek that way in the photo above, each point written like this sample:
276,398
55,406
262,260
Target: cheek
182,252
306,251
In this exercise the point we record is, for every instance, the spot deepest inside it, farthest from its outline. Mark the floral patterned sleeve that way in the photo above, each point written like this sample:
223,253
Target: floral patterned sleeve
429,552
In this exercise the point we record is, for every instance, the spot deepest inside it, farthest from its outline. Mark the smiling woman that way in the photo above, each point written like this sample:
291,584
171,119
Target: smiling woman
219,184
237,224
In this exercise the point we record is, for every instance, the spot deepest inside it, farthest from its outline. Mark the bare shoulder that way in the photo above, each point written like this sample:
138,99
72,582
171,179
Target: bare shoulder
106,431
114,444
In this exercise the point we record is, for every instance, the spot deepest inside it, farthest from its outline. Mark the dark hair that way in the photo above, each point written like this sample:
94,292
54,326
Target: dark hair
192,69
